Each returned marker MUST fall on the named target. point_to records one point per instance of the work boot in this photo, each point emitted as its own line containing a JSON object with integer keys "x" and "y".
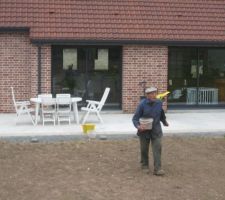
{"x": 159, "y": 172}
{"x": 145, "y": 169}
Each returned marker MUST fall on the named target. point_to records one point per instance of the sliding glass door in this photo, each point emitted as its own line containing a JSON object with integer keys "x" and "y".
{"x": 87, "y": 71}
{"x": 196, "y": 76}
{"x": 212, "y": 76}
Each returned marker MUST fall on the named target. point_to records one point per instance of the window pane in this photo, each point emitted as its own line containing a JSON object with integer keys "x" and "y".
{"x": 102, "y": 61}
{"x": 70, "y": 59}
{"x": 212, "y": 78}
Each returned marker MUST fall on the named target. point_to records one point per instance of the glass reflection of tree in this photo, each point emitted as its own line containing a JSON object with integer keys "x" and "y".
{"x": 69, "y": 80}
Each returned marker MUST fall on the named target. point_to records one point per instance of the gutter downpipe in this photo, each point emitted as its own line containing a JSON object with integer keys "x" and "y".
{"x": 39, "y": 69}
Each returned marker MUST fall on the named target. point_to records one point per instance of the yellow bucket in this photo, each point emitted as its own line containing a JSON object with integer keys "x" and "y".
{"x": 88, "y": 128}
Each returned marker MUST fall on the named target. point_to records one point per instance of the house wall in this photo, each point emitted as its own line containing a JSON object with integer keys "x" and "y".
{"x": 19, "y": 69}
{"x": 46, "y": 69}
{"x": 140, "y": 63}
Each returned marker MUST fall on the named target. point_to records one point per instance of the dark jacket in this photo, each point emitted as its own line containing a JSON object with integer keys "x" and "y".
{"x": 149, "y": 109}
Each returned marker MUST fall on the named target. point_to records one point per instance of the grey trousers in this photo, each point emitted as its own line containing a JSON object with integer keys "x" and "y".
{"x": 156, "y": 150}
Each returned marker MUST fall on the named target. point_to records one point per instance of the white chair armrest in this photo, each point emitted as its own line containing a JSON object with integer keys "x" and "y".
{"x": 23, "y": 103}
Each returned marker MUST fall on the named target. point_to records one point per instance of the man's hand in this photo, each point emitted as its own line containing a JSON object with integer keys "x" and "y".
{"x": 141, "y": 128}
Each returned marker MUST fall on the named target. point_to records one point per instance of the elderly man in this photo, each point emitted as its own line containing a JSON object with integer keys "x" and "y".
{"x": 150, "y": 108}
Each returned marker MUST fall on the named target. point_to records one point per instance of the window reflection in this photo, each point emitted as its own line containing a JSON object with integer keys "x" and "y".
{"x": 87, "y": 71}
{"x": 196, "y": 76}
{"x": 69, "y": 59}
{"x": 102, "y": 60}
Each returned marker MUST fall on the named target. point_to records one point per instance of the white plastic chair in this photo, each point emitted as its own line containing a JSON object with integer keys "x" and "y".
{"x": 63, "y": 106}
{"x": 41, "y": 96}
{"x": 22, "y": 107}
{"x": 48, "y": 109}
{"x": 95, "y": 106}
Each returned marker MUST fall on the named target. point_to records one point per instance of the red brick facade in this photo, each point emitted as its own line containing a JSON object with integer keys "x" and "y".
{"x": 46, "y": 69}
{"x": 19, "y": 69}
{"x": 140, "y": 63}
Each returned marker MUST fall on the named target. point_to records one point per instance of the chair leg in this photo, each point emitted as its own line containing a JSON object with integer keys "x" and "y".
{"x": 99, "y": 117}
{"x": 85, "y": 117}
{"x": 31, "y": 118}
{"x": 17, "y": 117}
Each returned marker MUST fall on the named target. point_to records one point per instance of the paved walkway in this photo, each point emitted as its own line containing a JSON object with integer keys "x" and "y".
{"x": 196, "y": 122}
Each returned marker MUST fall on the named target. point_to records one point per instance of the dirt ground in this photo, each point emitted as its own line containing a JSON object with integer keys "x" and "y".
{"x": 110, "y": 170}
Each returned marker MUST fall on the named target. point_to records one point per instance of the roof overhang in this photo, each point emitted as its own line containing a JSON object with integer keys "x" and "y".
{"x": 129, "y": 42}
{"x": 14, "y": 29}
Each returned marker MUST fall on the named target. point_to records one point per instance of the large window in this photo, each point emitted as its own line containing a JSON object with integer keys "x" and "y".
{"x": 87, "y": 71}
{"x": 196, "y": 76}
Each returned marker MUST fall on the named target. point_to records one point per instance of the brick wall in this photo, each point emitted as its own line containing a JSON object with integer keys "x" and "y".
{"x": 140, "y": 63}
{"x": 19, "y": 65}
{"x": 18, "y": 68}
{"x": 46, "y": 69}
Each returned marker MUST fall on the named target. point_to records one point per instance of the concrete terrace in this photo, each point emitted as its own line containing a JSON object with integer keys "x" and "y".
{"x": 182, "y": 122}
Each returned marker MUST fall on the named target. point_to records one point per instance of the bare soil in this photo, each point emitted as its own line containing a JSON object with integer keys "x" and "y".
{"x": 110, "y": 170}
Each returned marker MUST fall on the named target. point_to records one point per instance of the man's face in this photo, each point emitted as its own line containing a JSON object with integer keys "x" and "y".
{"x": 151, "y": 95}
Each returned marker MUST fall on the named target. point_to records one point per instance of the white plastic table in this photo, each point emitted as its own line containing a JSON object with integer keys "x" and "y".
{"x": 37, "y": 102}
